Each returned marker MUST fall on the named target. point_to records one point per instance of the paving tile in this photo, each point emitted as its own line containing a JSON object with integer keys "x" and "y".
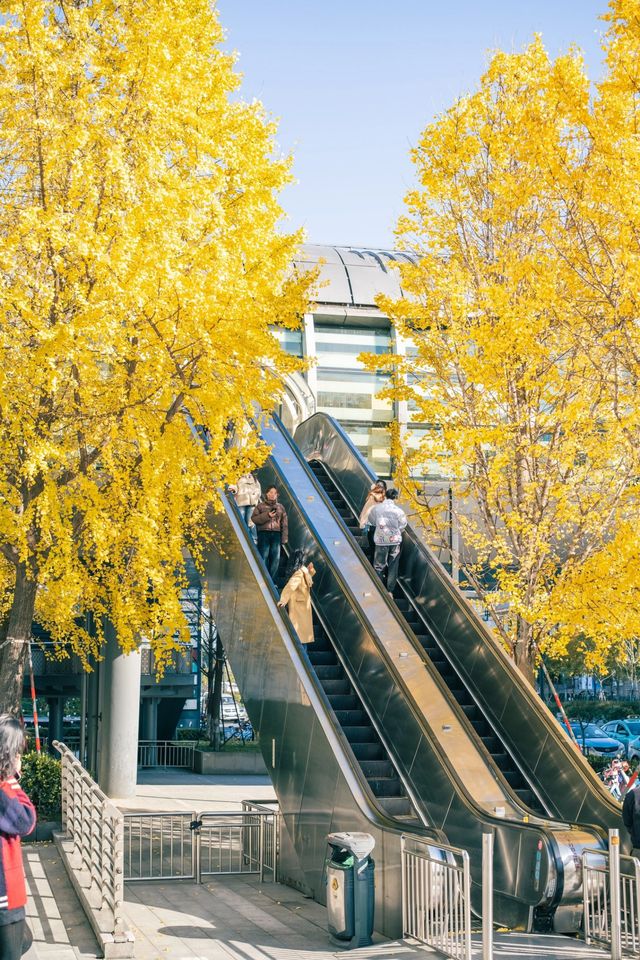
{"x": 59, "y": 927}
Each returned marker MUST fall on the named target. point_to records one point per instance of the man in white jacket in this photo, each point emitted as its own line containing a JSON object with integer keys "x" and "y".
{"x": 390, "y": 520}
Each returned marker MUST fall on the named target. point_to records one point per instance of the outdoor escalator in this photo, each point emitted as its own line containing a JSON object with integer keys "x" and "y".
{"x": 372, "y": 756}
{"x": 421, "y": 631}
{"x": 544, "y": 770}
{"x": 368, "y": 749}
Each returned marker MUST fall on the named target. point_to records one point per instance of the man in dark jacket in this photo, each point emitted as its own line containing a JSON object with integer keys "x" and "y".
{"x": 270, "y": 518}
{"x": 631, "y": 818}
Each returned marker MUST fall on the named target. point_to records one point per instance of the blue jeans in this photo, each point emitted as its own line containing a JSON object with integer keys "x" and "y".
{"x": 269, "y": 542}
{"x": 387, "y": 555}
{"x": 245, "y": 513}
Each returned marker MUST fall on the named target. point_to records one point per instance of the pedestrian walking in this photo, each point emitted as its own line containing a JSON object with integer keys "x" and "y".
{"x": 247, "y": 492}
{"x": 631, "y": 817}
{"x": 17, "y": 818}
{"x": 389, "y": 521}
{"x": 270, "y": 517}
{"x": 376, "y": 495}
{"x": 296, "y": 595}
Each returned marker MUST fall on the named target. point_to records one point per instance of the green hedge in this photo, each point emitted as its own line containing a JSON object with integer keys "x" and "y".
{"x": 599, "y": 711}
{"x": 40, "y": 780}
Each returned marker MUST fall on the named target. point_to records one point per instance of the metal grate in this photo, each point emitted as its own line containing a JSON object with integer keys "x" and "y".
{"x": 611, "y": 890}
{"x": 190, "y": 846}
{"x": 160, "y": 846}
{"x": 436, "y": 897}
{"x": 166, "y": 753}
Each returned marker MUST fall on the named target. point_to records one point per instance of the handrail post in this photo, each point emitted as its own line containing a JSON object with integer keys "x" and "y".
{"x": 487, "y": 896}
{"x": 261, "y": 844}
{"x": 614, "y": 894}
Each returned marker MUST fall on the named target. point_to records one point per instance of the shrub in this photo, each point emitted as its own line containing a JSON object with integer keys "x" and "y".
{"x": 189, "y": 733}
{"x": 599, "y": 711}
{"x": 40, "y": 780}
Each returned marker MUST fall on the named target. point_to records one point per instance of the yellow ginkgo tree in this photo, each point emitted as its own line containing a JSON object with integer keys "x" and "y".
{"x": 517, "y": 411}
{"x": 141, "y": 267}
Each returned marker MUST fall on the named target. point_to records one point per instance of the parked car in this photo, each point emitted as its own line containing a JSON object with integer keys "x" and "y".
{"x": 628, "y": 733}
{"x": 593, "y": 740}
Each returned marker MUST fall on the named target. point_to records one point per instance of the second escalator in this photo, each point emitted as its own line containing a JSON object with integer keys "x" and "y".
{"x": 429, "y": 644}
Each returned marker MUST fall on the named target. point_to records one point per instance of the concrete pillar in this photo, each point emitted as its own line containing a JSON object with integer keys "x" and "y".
{"x": 56, "y": 717}
{"x": 93, "y": 719}
{"x": 120, "y": 696}
{"x": 150, "y": 718}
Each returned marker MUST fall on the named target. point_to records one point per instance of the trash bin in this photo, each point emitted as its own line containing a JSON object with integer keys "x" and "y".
{"x": 350, "y": 888}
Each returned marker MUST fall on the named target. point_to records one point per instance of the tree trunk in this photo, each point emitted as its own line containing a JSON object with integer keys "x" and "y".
{"x": 13, "y": 652}
{"x": 523, "y": 651}
{"x": 215, "y": 694}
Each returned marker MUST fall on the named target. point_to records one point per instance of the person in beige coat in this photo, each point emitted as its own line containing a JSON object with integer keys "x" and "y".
{"x": 296, "y": 595}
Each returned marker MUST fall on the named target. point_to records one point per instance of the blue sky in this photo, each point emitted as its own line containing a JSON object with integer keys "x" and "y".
{"x": 353, "y": 83}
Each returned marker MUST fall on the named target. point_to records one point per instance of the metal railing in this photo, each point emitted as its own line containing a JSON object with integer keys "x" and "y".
{"x": 611, "y": 890}
{"x": 271, "y": 848}
{"x": 159, "y": 846}
{"x": 436, "y": 896}
{"x": 94, "y": 829}
{"x": 166, "y": 753}
{"x": 190, "y": 846}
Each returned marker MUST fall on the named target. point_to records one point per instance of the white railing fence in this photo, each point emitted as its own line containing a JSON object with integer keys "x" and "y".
{"x": 166, "y": 753}
{"x": 611, "y": 889}
{"x": 93, "y": 848}
{"x": 436, "y": 896}
{"x": 190, "y": 846}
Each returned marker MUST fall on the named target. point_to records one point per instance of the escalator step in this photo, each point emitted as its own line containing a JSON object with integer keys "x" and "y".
{"x": 351, "y": 718}
{"x": 364, "y": 734}
{"x": 501, "y": 760}
{"x": 462, "y": 697}
{"x": 330, "y": 671}
{"x": 527, "y": 797}
{"x": 472, "y": 712}
{"x": 513, "y": 777}
{"x": 481, "y": 726}
{"x": 368, "y": 750}
{"x": 491, "y": 743}
{"x": 343, "y": 701}
{"x": 386, "y": 787}
{"x": 323, "y": 657}
{"x": 336, "y": 686}
{"x": 377, "y": 768}
{"x": 397, "y": 806}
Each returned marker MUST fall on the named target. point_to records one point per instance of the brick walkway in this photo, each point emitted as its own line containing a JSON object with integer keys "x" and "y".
{"x": 58, "y": 924}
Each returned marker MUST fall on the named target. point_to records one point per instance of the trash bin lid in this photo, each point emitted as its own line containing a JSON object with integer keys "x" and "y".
{"x": 360, "y": 844}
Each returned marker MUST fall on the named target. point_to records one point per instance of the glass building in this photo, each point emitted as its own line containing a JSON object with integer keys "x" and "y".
{"x": 346, "y": 322}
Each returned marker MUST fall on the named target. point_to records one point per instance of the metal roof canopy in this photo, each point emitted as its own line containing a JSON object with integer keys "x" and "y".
{"x": 352, "y": 276}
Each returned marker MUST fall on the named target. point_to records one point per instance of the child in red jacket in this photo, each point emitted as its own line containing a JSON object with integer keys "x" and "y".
{"x": 17, "y": 818}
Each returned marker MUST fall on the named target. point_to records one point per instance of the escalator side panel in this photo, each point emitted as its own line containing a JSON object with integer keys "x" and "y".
{"x": 563, "y": 778}
{"x": 316, "y": 789}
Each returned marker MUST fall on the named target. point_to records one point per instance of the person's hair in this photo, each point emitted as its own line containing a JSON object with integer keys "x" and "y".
{"x": 392, "y": 494}
{"x": 378, "y": 488}
{"x": 271, "y": 486}
{"x": 382, "y": 483}
{"x": 12, "y": 744}
{"x": 296, "y": 560}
